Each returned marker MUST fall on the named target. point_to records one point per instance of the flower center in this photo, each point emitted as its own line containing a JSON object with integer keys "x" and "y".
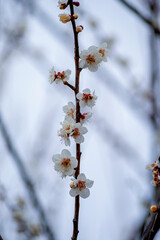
{"x": 81, "y": 185}
{"x": 102, "y": 51}
{"x": 71, "y": 113}
{"x": 90, "y": 59}
{"x": 83, "y": 116}
{"x": 76, "y": 133}
{"x": 66, "y": 162}
{"x": 60, "y": 75}
{"x": 67, "y": 128}
{"x": 87, "y": 97}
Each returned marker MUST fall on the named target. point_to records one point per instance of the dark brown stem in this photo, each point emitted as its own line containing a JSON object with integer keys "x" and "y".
{"x": 69, "y": 85}
{"x": 153, "y": 227}
{"x": 78, "y": 150}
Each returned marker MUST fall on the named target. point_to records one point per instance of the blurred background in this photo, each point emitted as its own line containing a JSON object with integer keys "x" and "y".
{"x": 123, "y": 134}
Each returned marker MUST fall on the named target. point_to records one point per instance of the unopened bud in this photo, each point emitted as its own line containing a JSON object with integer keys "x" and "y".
{"x": 72, "y": 185}
{"x": 75, "y": 16}
{"x": 79, "y": 28}
{"x": 76, "y": 4}
{"x": 63, "y": 6}
{"x": 153, "y": 208}
{"x": 64, "y": 18}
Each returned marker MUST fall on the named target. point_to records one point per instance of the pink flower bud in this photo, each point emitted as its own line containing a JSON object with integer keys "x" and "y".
{"x": 77, "y": 4}
{"x": 75, "y": 16}
{"x": 63, "y": 6}
{"x": 79, "y": 28}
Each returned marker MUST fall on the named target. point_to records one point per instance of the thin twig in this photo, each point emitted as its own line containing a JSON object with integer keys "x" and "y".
{"x": 141, "y": 16}
{"x": 26, "y": 180}
{"x": 69, "y": 85}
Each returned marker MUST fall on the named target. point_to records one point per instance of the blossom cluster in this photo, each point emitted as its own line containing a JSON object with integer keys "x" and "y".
{"x": 71, "y": 128}
{"x": 154, "y": 167}
{"x": 64, "y": 163}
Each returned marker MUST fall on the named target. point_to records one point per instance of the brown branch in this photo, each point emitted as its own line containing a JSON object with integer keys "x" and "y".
{"x": 153, "y": 227}
{"x": 141, "y": 16}
{"x": 26, "y": 180}
{"x": 78, "y": 150}
{"x": 69, "y": 85}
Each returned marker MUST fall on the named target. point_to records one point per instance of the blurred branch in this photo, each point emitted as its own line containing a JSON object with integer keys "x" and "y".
{"x": 141, "y": 16}
{"x": 138, "y": 232}
{"x": 153, "y": 227}
{"x": 123, "y": 93}
{"x": 26, "y": 179}
{"x": 1, "y": 238}
{"x": 154, "y": 221}
{"x": 118, "y": 142}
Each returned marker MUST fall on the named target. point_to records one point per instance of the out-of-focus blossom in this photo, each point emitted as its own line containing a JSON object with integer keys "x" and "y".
{"x": 156, "y": 173}
{"x": 65, "y": 164}
{"x": 152, "y": 166}
{"x": 80, "y": 186}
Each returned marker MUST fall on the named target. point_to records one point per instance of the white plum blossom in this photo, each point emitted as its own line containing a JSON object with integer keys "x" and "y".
{"x": 90, "y": 58}
{"x": 59, "y": 77}
{"x": 155, "y": 172}
{"x": 86, "y": 98}
{"x": 78, "y": 132}
{"x": 85, "y": 117}
{"x": 65, "y": 164}
{"x": 80, "y": 186}
{"x": 65, "y": 137}
{"x": 72, "y": 129}
{"x": 66, "y": 130}
{"x": 153, "y": 165}
{"x": 103, "y": 49}
{"x": 70, "y": 110}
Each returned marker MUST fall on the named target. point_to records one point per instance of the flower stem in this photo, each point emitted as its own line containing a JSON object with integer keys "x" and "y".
{"x": 78, "y": 150}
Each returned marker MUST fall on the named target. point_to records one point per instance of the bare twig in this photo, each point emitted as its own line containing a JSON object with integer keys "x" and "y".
{"x": 69, "y": 85}
{"x": 26, "y": 180}
{"x": 141, "y": 16}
